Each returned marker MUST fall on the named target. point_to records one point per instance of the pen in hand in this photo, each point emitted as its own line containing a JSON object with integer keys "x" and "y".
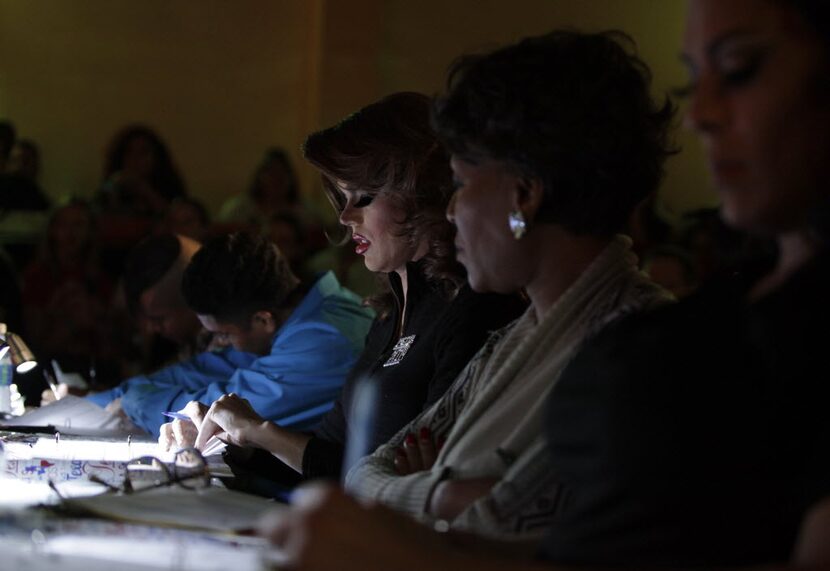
{"x": 52, "y": 384}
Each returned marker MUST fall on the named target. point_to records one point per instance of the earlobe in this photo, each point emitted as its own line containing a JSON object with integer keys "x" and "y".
{"x": 527, "y": 198}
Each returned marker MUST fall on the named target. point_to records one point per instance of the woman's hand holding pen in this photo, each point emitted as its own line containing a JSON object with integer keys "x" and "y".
{"x": 232, "y": 419}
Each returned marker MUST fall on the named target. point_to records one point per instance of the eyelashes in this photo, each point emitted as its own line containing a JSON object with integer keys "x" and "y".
{"x": 364, "y": 200}
{"x": 743, "y": 74}
{"x": 729, "y": 77}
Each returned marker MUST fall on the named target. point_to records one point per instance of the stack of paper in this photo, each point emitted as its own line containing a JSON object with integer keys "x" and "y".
{"x": 72, "y": 415}
{"x": 214, "y": 509}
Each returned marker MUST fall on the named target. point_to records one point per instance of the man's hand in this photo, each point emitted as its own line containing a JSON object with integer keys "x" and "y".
{"x": 183, "y": 433}
{"x": 50, "y": 395}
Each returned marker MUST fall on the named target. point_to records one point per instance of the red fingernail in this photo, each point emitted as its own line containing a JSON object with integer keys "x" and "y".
{"x": 425, "y": 435}
{"x": 410, "y": 439}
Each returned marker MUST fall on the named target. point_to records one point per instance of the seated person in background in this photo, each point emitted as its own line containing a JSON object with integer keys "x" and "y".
{"x": 390, "y": 182}
{"x": 305, "y": 337}
{"x": 153, "y": 290}
{"x": 19, "y": 189}
{"x": 8, "y": 135}
{"x": 25, "y": 160}
{"x": 188, "y": 217}
{"x": 274, "y": 190}
{"x": 287, "y": 231}
{"x": 152, "y": 287}
{"x": 554, "y": 141}
{"x": 66, "y": 298}
{"x": 140, "y": 177}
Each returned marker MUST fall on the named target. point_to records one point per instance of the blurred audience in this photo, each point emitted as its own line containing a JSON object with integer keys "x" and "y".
{"x": 140, "y": 177}
{"x": 66, "y": 297}
{"x": 187, "y": 216}
{"x": 273, "y": 192}
{"x": 152, "y": 287}
{"x": 25, "y": 160}
{"x": 8, "y": 135}
{"x": 19, "y": 190}
{"x": 140, "y": 180}
{"x": 274, "y": 189}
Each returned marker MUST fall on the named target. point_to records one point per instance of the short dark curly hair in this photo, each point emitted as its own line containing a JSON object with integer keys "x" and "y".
{"x": 233, "y": 276}
{"x": 570, "y": 108}
{"x": 390, "y": 147}
{"x": 165, "y": 177}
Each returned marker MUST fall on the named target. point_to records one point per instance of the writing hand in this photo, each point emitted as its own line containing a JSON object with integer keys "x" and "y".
{"x": 232, "y": 419}
{"x": 51, "y": 395}
{"x": 183, "y": 433}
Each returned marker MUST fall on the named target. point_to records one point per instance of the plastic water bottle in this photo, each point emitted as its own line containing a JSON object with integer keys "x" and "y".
{"x": 6, "y": 372}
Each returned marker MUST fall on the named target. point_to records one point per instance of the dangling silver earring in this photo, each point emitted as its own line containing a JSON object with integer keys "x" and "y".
{"x": 518, "y": 224}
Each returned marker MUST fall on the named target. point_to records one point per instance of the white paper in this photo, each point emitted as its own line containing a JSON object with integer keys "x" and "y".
{"x": 78, "y": 553}
{"x": 77, "y": 449}
{"x": 72, "y": 415}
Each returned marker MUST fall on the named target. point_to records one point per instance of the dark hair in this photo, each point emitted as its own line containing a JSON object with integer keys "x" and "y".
{"x": 276, "y": 155}
{"x": 201, "y": 211}
{"x": 8, "y": 134}
{"x": 147, "y": 263}
{"x": 90, "y": 246}
{"x": 816, "y": 13}
{"x": 164, "y": 178}
{"x": 234, "y": 276}
{"x": 570, "y": 108}
{"x": 291, "y": 221}
{"x": 390, "y": 147}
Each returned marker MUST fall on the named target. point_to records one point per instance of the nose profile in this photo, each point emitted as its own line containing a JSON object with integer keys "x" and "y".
{"x": 451, "y": 209}
{"x": 707, "y": 111}
{"x": 349, "y": 214}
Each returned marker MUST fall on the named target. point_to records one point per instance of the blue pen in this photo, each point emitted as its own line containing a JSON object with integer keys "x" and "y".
{"x": 176, "y": 415}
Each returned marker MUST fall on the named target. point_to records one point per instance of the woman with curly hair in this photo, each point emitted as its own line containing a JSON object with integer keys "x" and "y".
{"x": 139, "y": 175}
{"x": 389, "y": 179}
{"x": 554, "y": 141}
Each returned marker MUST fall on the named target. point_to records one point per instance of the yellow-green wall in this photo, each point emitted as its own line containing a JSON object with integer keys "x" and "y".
{"x": 221, "y": 80}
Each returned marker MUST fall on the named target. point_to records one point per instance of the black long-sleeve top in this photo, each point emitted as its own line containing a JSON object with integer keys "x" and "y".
{"x": 447, "y": 333}
{"x": 696, "y": 436}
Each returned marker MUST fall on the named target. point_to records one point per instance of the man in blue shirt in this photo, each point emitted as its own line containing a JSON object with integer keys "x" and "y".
{"x": 305, "y": 339}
